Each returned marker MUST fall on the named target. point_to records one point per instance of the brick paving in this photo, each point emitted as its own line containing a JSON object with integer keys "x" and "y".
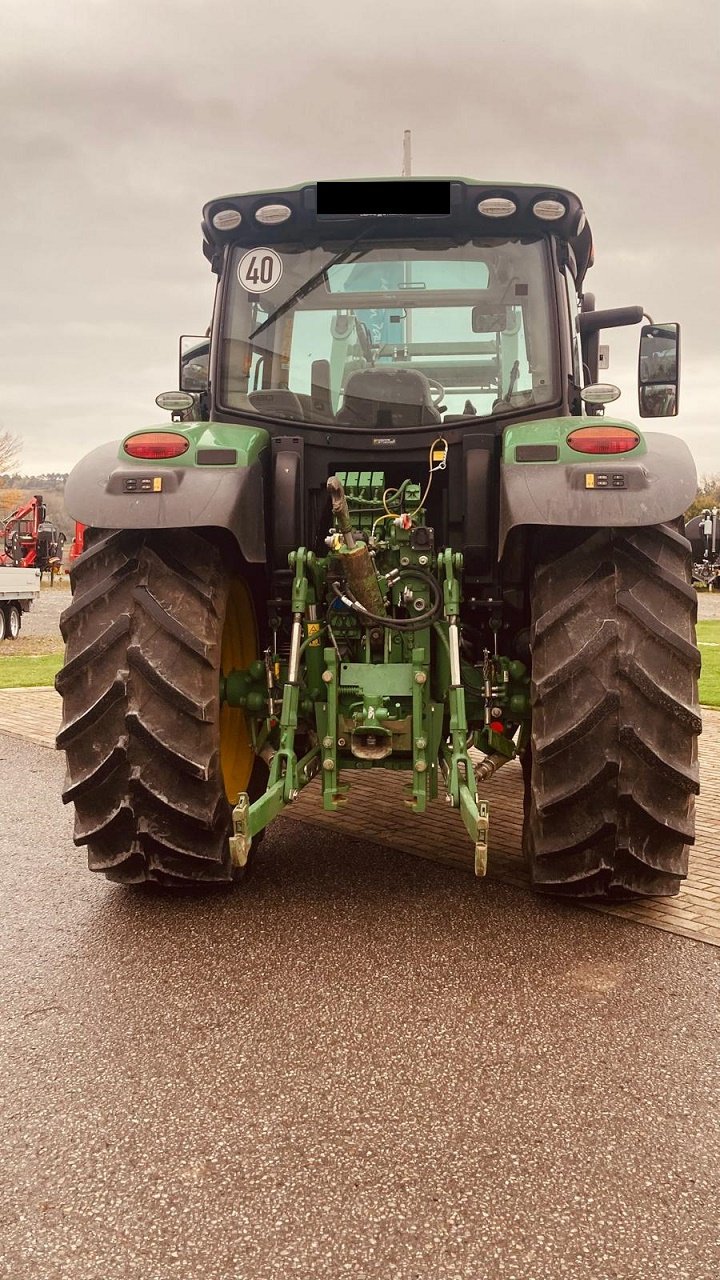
{"x": 30, "y": 713}
{"x": 375, "y": 812}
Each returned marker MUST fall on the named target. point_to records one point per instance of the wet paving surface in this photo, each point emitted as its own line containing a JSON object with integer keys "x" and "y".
{"x": 359, "y": 1064}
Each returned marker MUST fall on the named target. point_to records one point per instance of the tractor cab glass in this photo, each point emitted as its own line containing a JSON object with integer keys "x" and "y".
{"x": 389, "y": 335}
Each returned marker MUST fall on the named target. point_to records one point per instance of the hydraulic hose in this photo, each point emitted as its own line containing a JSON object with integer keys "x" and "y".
{"x": 397, "y": 624}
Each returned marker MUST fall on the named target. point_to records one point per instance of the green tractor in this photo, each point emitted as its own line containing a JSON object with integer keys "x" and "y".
{"x": 390, "y": 526}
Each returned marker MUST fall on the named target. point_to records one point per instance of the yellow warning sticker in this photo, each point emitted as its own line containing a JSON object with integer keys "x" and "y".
{"x": 589, "y": 480}
{"x": 313, "y": 630}
{"x": 157, "y": 484}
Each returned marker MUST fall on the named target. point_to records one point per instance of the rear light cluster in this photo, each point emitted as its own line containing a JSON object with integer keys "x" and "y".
{"x": 156, "y": 444}
{"x": 603, "y": 439}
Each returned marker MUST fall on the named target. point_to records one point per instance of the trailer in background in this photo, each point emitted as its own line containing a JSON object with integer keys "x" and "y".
{"x": 18, "y": 589}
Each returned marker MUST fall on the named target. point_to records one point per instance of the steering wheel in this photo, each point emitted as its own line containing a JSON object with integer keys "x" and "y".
{"x": 438, "y": 389}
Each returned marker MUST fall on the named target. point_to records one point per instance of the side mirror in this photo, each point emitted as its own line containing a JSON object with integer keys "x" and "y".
{"x": 194, "y": 363}
{"x": 659, "y": 370}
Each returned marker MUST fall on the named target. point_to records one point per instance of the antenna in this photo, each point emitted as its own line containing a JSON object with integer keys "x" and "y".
{"x": 407, "y": 155}
{"x": 406, "y": 171}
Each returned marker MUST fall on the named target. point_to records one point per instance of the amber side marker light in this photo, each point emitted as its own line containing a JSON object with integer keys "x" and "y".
{"x": 603, "y": 440}
{"x": 156, "y": 444}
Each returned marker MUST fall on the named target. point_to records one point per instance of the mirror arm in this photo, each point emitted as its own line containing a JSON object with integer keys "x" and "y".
{"x": 592, "y": 321}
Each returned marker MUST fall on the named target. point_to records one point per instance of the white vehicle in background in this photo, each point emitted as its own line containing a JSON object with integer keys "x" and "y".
{"x": 18, "y": 589}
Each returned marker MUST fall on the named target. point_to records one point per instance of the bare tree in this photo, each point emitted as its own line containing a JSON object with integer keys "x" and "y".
{"x": 10, "y": 447}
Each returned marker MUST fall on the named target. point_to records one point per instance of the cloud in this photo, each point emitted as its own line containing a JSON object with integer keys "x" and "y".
{"x": 120, "y": 121}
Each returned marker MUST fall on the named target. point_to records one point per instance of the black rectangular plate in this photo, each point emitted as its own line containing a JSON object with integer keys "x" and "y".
{"x": 536, "y": 453}
{"x": 357, "y": 199}
{"x": 216, "y": 457}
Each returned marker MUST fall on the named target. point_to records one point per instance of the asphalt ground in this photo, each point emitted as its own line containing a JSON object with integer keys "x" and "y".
{"x": 359, "y": 1064}
{"x": 43, "y": 617}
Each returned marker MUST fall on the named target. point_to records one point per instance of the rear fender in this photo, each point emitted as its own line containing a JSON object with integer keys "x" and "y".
{"x": 217, "y": 483}
{"x": 543, "y": 482}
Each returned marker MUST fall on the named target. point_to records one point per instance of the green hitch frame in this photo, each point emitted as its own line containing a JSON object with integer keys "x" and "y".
{"x": 287, "y": 774}
{"x": 437, "y": 712}
{"x": 459, "y": 773}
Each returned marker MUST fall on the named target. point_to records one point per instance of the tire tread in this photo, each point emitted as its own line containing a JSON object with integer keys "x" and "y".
{"x": 141, "y": 703}
{"x": 614, "y": 773}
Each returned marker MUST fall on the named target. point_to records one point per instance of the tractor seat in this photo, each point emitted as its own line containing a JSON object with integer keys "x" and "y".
{"x": 387, "y": 398}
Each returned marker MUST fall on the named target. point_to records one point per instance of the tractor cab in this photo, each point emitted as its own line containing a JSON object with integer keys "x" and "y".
{"x": 450, "y": 306}
{"x": 402, "y": 304}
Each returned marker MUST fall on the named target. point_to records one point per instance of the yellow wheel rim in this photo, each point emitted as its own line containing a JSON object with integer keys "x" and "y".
{"x": 238, "y": 648}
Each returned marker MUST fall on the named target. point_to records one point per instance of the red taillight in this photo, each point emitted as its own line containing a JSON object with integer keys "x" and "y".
{"x": 603, "y": 439}
{"x": 156, "y": 444}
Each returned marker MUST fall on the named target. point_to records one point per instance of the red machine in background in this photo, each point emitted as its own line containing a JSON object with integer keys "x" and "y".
{"x": 77, "y": 545}
{"x": 30, "y": 540}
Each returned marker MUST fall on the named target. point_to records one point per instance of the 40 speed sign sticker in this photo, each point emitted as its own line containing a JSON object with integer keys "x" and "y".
{"x": 259, "y": 270}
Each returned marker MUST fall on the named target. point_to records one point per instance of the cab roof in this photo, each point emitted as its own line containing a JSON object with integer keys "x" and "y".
{"x": 410, "y": 208}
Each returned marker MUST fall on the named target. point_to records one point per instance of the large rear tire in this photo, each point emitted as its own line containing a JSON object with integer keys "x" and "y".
{"x": 154, "y": 764}
{"x": 612, "y": 770}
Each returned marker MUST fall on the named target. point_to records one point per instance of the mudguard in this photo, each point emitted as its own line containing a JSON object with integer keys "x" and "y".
{"x": 217, "y": 483}
{"x": 543, "y": 482}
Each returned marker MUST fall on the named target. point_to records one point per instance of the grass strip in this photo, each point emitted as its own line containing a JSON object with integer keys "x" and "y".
{"x": 28, "y": 673}
{"x": 709, "y": 642}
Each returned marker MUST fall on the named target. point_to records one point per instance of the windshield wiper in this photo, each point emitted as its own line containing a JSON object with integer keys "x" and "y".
{"x": 313, "y": 282}
{"x": 514, "y": 375}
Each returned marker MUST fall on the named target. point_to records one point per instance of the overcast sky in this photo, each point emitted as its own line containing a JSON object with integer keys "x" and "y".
{"x": 120, "y": 118}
